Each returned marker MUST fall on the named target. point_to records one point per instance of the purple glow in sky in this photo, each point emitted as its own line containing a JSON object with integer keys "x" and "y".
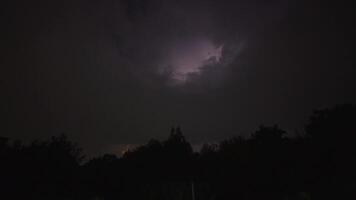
{"x": 189, "y": 57}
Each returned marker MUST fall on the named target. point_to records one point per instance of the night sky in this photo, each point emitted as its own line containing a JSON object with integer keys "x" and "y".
{"x": 118, "y": 72}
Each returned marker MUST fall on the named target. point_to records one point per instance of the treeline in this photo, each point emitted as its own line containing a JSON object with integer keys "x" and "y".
{"x": 320, "y": 164}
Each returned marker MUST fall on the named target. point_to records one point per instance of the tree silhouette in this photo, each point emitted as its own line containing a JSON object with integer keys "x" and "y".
{"x": 332, "y": 134}
{"x": 267, "y": 165}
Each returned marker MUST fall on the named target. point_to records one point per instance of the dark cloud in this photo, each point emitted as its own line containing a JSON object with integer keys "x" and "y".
{"x": 91, "y": 69}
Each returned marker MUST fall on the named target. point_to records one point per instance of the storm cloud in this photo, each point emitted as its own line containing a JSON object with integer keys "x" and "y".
{"x": 101, "y": 71}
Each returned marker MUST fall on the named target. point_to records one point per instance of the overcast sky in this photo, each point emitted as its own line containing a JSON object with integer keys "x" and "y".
{"x": 117, "y": 72}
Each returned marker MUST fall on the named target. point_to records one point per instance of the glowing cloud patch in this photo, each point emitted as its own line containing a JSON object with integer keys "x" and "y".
{"x": 188, "y": 58}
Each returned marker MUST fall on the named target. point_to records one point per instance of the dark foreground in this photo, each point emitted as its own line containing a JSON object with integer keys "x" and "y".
{"x": 319, "y": 164}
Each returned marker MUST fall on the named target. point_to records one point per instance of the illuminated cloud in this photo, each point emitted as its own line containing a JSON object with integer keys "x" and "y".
{"x": 189, "y": 57}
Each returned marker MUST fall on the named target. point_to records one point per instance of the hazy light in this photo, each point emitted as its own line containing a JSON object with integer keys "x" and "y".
{"x": 188, "y": 58}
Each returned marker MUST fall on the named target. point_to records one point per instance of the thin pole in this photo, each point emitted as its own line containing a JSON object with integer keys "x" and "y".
{"x": 193, "y": 191}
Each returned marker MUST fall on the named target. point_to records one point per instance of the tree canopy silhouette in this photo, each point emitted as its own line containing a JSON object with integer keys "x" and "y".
{"x": 269, "y": 164}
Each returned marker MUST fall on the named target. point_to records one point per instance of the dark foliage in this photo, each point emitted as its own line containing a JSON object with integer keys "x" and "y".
{"x": 268, "y": 165}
